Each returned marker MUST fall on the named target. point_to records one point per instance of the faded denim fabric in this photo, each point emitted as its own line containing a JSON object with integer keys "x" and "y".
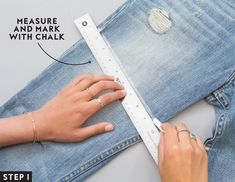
{"x": 172, "y": 65}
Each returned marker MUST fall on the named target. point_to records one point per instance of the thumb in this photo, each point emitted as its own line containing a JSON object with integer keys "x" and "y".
{"x": 95, "y": 129}
{"x": 161, "y": 148}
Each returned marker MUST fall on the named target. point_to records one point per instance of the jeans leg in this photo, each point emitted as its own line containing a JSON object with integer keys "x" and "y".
{"x": 169, "y": 70}
{"x": 221, "y": 145}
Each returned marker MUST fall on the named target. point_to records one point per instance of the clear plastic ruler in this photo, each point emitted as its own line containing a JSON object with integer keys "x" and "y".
{"x": 145, "y": 125}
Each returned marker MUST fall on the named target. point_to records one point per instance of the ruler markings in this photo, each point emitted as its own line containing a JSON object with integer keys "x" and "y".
{"x": 131, "y": 103}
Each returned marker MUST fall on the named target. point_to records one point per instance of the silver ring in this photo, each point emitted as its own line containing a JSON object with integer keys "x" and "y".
{"x": 100, "y": 102}
{"x": 193, "y": 136}
{"x": 183, "y": 130}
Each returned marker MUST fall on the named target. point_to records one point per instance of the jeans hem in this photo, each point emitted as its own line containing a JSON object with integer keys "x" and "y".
{"x": 100, "y": 158}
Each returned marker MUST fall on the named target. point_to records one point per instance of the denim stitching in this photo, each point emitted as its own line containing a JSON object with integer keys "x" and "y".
{"x": 221, "y": 99}
{"x": 219, "y": 130}
{"x": 101, "y": 157}
{"x": 220, "y": 124}
{"x": 231, "y": 80}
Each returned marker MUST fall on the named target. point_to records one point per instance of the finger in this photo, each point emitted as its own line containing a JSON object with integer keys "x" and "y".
{"x": 86, "y": 83}
{"x": 194, "y": 143}
{"x": 70, "y": 87}
{"x": 200, "y": 142}
{"x": 96, "y": 88}
{"x": 161, "y": 148}
{"x": 95, "y": 129}
{"x": 105, "y": 99}
{"x": 184, "y": 136}
{"x": 170, "y": 135}
{"x": 79, "y": 78}
{"x": 104, "y": 85}
{"x": 82, "y": 96}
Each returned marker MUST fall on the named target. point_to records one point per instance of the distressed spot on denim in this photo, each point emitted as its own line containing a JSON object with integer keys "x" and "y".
{"x": 159, "y": 20}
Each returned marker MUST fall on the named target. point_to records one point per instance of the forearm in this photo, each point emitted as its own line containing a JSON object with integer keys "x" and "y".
{"x": 16, "y": 129}
{"x": 61, "y": 119}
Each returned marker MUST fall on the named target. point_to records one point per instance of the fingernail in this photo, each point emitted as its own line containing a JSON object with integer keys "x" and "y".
{"x": 123, "y": 92}
{"x": 109, "y": 127}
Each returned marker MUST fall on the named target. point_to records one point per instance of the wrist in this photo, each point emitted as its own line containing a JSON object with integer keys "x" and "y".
{"x": 16, "y": 129}
{"x": 42, "y": 128}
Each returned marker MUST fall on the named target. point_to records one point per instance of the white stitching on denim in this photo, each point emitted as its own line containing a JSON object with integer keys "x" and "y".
{"x": 220, "y": 124}
{"x": 103, "y": 156}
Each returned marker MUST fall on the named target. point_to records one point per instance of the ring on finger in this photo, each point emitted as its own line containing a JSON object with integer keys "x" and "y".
{"x": 183, "y": 130}
{"x": 193, "y": 136}
{"x": 100, "y": 102}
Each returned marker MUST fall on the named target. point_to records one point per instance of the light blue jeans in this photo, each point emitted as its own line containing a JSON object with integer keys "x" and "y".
{"x": 192, "y": 59}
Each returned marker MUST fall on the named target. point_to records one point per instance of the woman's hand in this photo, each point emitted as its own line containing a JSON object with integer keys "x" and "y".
{"x": 61, "y": 119}
{"x": 181, "y": 159}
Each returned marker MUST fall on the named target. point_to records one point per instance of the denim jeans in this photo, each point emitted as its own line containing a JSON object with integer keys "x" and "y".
{"x": 190, "y": 57}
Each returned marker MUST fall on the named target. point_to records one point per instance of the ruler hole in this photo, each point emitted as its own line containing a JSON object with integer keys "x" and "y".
{"x": 84, "y": 23}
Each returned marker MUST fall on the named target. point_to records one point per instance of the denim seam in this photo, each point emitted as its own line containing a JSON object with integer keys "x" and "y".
{"x": 209, "y": 98}
{"x": 221, "y": 98}
{"x": 101, "y": 157}
{"x": 219, "y": 130}
{"x": 230, "y": 80}
{"x": 220, "y": 124}
{"x": 221, "y": 89}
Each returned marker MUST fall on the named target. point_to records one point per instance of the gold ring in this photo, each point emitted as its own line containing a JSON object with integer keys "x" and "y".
{"x": 100, "y": 102}
{"x": 183, "y": 130}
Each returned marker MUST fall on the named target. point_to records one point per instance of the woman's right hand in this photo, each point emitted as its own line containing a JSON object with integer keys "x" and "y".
{"x": 61, "y": 119}
{"x": 181, "y": 158}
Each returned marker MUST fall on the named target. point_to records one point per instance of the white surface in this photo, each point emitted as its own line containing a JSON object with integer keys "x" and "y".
{"x": 23, "y": 60}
